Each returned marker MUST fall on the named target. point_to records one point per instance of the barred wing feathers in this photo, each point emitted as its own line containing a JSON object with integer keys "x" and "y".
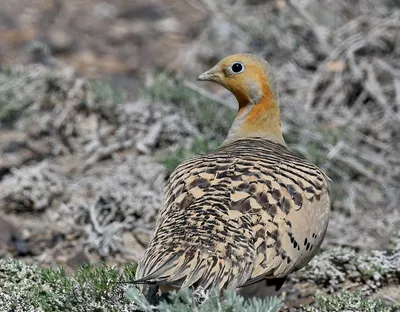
{"x": 250, "y": 210}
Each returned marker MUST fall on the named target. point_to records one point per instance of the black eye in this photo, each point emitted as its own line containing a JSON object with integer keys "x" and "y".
{"x": 237, "y": 67}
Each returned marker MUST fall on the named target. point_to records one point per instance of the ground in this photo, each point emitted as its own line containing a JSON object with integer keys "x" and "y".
{"x": 99, "y": 104}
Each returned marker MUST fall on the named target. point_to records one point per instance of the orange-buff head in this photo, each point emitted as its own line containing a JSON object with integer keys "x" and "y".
{"x": 251, "y": 81}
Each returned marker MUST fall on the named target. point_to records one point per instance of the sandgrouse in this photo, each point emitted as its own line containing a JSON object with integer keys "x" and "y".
{"x": 249, "y": 212}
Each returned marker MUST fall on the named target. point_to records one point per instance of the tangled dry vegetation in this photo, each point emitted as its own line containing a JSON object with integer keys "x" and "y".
{"x": 343, "y": 266}
{"x": 82, "y": 169}
{"x": 69, "y": 125}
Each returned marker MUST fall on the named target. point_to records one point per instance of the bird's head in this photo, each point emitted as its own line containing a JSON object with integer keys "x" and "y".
{"x": 247, "y": 76}
{"x": 251, "y": 81}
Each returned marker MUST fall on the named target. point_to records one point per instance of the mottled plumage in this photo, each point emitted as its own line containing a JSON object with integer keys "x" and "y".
{"x": 249, "y": 211}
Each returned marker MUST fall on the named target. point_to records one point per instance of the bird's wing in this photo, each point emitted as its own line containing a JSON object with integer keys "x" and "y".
{"x": 199, "y": 239}
{"x": 294, "y": 218}
{"x": 236, "y": 216}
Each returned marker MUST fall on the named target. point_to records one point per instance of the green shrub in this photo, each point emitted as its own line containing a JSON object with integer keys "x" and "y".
{"x": 103, "y": 288}
{"x": 345, "y": 301}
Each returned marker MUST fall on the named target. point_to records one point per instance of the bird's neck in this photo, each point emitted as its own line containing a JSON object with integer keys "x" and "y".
{"x": 257, "y": 118}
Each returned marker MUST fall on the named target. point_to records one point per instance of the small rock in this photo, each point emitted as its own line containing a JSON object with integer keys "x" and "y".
{"x": 7, "y": 231}
{"x": 169, "y": 24}
{"x": 60, "y": 41}
{"x": 106, "y": 10}
{"x": 20, "y": 245}
{"x": 80, "y": 258}
{"x": 135, "y": 31}
{"x": 55, "y": 239}
{"x": 143, "y": 238}
{"x": 132, "y": 244}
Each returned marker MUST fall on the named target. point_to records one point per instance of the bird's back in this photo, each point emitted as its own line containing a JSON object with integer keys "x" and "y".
{"x": 248, "y": 211}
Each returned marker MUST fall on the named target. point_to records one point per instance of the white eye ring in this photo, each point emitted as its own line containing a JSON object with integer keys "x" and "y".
{"x": 236, "y": 68}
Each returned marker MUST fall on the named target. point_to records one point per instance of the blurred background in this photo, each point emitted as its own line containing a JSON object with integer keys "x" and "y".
{"x": 98, "y": 104}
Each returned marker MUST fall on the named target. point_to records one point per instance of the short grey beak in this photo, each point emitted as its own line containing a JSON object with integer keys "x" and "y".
{"x": 209, "y": 75}
{"x": 204, "y": 76}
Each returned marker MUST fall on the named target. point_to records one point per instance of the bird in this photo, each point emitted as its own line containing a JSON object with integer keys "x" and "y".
{"x": 249, "y": 212}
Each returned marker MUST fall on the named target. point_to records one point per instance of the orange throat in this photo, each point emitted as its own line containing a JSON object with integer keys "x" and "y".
{"x": 261, "y": 119}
